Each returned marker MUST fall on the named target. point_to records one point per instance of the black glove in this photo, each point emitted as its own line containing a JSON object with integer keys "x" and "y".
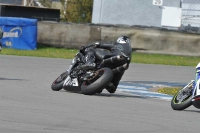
{"x": 82, "y": 49}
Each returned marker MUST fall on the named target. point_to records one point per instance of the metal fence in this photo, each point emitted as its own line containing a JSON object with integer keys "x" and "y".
{"x": 13, "y": 2}
{"x": 190, "y": 15}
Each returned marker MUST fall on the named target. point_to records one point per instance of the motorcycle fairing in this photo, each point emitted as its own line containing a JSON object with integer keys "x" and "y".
{"x": 196, "y": 95}
{"x": 196, "y": 90}
{"x": 71, "y": 84}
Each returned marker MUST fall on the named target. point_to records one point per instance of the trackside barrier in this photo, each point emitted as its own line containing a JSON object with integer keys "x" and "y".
{"x": 19, "y": 33}
{"x": 143, "y": 39}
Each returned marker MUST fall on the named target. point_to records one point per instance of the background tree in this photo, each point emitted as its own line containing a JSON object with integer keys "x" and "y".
{"x": 46, "y": 3}
{"x": 79, "y": 11}
{"x": 76, "y": 11}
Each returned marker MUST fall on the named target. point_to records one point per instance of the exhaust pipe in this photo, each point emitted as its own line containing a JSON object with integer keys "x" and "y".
{"x": 120, "y": 69}
{"x": 113, "y": 59}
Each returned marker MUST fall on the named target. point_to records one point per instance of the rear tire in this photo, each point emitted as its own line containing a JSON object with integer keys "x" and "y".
{"x": 178, "y": 101}
{"x": 103, "y": 77}
{"x": 58, "y": 83}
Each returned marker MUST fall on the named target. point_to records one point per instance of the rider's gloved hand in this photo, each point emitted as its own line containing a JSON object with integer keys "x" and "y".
{"x": 82, "y": 49}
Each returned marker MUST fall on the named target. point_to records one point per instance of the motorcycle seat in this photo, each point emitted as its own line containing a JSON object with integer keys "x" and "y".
{"x": 101, "y": 54}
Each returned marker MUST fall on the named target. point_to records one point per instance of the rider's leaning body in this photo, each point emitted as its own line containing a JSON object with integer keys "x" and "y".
{"x": 120, "y": 47}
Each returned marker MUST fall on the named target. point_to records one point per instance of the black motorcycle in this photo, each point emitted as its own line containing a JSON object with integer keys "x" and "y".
{"x": 93, "y": 78}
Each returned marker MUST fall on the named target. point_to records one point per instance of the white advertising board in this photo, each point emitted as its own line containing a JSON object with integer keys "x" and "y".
{"x": 171, "y": 16}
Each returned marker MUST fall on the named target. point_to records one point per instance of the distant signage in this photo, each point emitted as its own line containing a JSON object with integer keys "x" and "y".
{"x": 19, "y": 33}
{"x": 158, "y": 2}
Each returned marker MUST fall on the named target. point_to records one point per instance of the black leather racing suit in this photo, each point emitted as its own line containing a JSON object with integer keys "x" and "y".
{"x": 114, "y": 49}
{"x": 117, "y": 49}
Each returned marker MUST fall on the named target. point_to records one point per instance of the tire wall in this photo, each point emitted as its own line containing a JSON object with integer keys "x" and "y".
{"x": 143, "y": 39}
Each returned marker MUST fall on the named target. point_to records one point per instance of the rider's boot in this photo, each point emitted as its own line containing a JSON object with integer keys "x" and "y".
{"x": 111, "y": 88}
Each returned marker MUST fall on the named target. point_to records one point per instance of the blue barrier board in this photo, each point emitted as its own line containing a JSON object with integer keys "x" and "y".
{"x": 19, "y": 33}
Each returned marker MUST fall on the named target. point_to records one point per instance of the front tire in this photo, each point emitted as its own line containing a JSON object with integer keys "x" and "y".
{"x": 58, "y": 83}
{"x": 100, "y": 81}
{"x": 183, "y": 98}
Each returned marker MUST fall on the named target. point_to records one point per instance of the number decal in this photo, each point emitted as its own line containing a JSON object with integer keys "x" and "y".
{"x": 71, "y": 82}
{"x": 158, "y": 2}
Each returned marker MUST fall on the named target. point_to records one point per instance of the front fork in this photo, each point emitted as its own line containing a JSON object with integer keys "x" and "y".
{"x": 71, "y": 66}
{"x": 76, "y": 59}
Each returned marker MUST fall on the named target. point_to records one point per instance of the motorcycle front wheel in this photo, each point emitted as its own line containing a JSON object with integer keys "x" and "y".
{"x": 97, "y": 83}
{"x": 58, "y": 83}
{"x": 183, "y": 98}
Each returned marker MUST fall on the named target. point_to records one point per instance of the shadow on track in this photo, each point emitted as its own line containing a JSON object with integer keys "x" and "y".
{"x": 116, "y": 95}
{"x": 10, "y": 79}
{"x": 195, "y": 111}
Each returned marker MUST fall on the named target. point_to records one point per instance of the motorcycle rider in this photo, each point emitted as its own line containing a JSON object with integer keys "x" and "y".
{"x": 121, "y": 47}
{"x": 1, "y": 35}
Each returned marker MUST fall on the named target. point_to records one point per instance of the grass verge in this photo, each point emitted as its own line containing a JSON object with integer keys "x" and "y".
{"x": 51, "y": 52}
{"x": 42, "y": 51}
{"x": 165, "y": 59}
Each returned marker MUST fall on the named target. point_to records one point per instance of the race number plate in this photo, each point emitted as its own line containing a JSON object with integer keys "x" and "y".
{"x": 71, "y": 82}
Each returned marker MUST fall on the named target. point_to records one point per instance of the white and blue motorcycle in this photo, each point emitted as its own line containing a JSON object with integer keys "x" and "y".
{"x": 188, "y": 95}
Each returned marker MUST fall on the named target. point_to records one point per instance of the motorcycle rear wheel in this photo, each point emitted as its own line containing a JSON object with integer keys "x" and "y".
{"x": 101, "y": 79}
{"x": 183, "y": 98}
{"x": 58, "y": 83}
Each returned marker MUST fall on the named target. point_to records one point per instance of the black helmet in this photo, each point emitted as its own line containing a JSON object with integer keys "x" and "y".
{"x": 123, "y": 39}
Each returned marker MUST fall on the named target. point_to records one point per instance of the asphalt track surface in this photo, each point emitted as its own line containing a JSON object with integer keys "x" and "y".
{"x": 28, "y": 105}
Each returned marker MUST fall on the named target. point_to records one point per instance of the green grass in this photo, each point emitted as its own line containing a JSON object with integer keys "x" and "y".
{"x": 42, "y": 51}
{"x": 51, "y": 52}
{"x": 165, "y": 59}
